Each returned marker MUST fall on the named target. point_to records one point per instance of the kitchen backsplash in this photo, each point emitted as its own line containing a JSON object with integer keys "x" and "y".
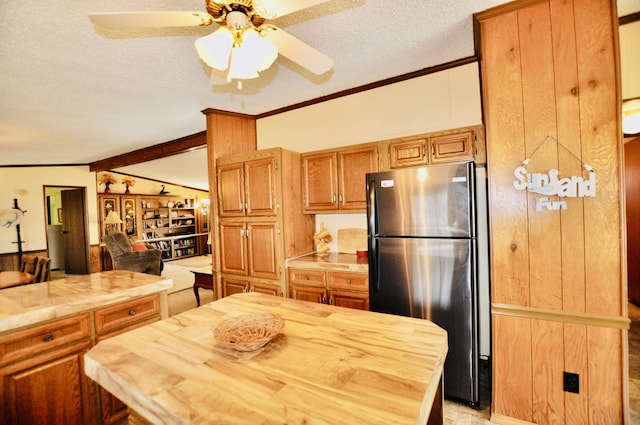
{"x": 334, "y": 222}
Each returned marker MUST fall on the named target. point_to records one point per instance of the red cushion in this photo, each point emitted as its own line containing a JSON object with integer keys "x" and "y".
{"x": 139, "y": 247}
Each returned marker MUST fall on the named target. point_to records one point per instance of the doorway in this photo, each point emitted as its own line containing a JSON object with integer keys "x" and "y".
{"x": 67, "y": 231}
{"x": 632, "y": 190}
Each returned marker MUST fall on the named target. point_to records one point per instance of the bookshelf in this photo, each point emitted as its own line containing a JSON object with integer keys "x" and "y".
{"x": 171, "y": 224}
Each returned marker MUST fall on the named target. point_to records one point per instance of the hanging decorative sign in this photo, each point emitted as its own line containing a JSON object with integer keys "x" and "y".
{"x": 550, "y": 184}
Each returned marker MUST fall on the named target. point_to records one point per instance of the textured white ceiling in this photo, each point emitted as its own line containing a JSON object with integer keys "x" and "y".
{"x": 72, "y": 93}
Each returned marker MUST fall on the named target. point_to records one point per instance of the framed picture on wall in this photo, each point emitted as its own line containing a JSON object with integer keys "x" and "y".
{"x": 108, "y": 205}
{"x": 129, "y": 215}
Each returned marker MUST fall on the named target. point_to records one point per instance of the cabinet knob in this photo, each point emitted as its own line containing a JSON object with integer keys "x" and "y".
{"x": 132, "y": 312}
{"x": 348, "y": 281}
{"x": 47, "y": 338}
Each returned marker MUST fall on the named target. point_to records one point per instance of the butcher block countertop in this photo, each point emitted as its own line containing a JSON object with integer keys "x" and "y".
{"x": 328, "y": 366}
{"x": 26, "y": 305}
{"x": 331, "y": 261}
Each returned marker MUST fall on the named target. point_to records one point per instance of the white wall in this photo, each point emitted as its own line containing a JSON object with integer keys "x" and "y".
{"x": 630, "y": 59}
{"x": 439, "y": 101}
{"x": 26, "y": 184}
{"x": 147, "y": 187}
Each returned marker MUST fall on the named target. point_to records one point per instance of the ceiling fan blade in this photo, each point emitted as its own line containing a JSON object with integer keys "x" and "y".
{"x": 151, "y": 19}
{"x": 278, "y": 8}
{"x": 299, "y": 51}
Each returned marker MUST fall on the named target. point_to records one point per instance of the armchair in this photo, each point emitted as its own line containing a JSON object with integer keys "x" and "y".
{"x": 125, "y": 258}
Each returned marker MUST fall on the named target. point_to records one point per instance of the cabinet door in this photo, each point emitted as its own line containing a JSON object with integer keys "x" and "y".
{"x": 263, "y": 250}
{"x": 231, "y": 190}
{"x": 354, "y": 165}
{"x": 233, "y": 248}
{"x": 312, "y": 294}
{"x": 48, "y": 389}
{"x": 265, "y": 288}
{"x": 260, "y": 187}
{"x": 232, "y": 286}
{"x": 408, "y": 153}
{"x": 357, "y": 300}
{"x": 320, "y": 185}
{"x": 452, "y": 147}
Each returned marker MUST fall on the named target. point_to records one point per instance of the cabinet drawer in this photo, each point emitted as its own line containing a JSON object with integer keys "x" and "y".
{"x": 110, "y": 318}
{"x": 353, "y": 281}
{"x": 307, "y": 277}
{"x": 35, "y": 340}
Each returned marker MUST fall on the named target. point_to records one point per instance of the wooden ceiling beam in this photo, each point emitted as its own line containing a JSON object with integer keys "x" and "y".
{"x": 162, "y": 150}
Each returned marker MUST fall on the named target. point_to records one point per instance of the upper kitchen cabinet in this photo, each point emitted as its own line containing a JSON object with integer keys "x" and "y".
{"x": 247, "y": 188}
{"x": 408, "y": 153}
{"x": 460, "y": 144}
{"x": 334, "y": 181}
{"x": 452, "y": 147}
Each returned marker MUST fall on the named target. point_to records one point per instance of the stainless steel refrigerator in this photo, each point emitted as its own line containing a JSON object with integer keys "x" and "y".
{"x": 422, "y": 258}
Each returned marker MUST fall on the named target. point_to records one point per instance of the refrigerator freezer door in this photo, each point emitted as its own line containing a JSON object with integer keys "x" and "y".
{"x": 432, "y": 201}
{"x": 432, "y": 279}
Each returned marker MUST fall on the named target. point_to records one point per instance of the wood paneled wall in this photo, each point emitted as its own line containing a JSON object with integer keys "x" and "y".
{"x": 551, "y": 94}
{"x": 227, "y": 134}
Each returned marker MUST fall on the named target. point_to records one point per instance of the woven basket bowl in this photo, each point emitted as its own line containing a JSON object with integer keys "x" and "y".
{"x": 249, "y": 331}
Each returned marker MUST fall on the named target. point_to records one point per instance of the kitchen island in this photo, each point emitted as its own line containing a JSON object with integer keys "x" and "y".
{"x": 329, "y": 365}
{"x": 46, "y": 328}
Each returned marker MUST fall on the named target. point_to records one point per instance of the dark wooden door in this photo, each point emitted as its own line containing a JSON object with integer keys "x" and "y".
{"x": 74, "y": 232}
{"x": 632, "y": 189}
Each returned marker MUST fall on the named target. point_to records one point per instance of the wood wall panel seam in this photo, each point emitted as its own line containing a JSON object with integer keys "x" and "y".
{"x": 588, "y": 319}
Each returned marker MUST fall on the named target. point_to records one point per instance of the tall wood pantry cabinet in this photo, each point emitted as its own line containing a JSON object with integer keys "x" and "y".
{"x": 261, "y": 223}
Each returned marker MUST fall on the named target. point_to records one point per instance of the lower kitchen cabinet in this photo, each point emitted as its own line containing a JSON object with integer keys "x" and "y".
{"x": 42, "y": 377}
{"x": 343, "y": 289}
{"x": 238, "y": 286}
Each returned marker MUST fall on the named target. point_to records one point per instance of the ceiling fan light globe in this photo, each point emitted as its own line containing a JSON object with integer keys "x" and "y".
{"x": 262, "y": 51}
{"x": 214, "y": 49}
{"x": 242, "y": 64}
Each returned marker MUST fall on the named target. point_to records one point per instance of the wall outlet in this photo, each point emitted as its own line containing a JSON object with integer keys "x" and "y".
{"x": 571, "y": 382}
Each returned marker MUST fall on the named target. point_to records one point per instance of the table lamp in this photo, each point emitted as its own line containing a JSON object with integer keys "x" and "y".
{"x": 111, "y": 222}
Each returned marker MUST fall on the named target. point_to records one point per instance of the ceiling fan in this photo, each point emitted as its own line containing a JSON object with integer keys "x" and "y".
{"x": 243, "y": 45}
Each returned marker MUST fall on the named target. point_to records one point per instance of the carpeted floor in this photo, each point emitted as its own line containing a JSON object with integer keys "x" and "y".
{"x": 181, "y": 296}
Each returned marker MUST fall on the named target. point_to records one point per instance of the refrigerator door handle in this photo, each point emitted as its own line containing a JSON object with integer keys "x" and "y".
{"x": 374, "y": 264}
{"x": 374, "y": 254}
{"x": 372, "y": 207}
